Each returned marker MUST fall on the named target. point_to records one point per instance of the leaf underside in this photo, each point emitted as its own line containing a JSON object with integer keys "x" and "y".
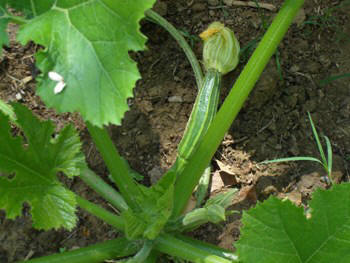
{"x": 87, "y": 42}
{"x": 28, "y": 169}
{"x": 278, "y": 231}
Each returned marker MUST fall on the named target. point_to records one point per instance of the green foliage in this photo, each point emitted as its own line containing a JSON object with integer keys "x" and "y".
{"x": 86, "y": 42}
{"x": 156, "y": 206}
{"x": 31, "y": 165}
{"x": 4, "y": 40}
{"x": 86, "y": 45}
{"x": 7, "y": 110}
{"x": 278, "y": 231}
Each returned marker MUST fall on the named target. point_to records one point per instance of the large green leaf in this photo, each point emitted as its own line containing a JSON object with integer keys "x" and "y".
{"x": 277, "y": 231}
{"x": 31, "y": 166}
{"x": 28, "y": 8}
{"x": 87, "y": 43}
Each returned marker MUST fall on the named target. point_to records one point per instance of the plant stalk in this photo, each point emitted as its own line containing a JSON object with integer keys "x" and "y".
{"x": 156, "y": 18}
{"x": 175, "y": 247}
{"x": 189, "y": 178}
{"x": 112, "y": 249}
{"x": 98, "y": 211}
{"x": 103, "y": 189}
{"x": 116, "y": 165}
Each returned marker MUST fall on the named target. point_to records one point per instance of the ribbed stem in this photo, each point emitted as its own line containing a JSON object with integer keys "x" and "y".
{"x": 189, "y": 178}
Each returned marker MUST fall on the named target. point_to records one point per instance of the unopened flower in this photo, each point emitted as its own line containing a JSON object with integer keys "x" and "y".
{"x": 221, "y": 48}
{"x": 60, "y": 81}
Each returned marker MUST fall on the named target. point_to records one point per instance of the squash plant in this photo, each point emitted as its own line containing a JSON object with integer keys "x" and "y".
{"x": 85, "y": 67}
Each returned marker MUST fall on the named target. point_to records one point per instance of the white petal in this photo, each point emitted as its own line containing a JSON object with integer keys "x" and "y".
{"x": 59, "y": 87}
{"x": 55, "y": 76}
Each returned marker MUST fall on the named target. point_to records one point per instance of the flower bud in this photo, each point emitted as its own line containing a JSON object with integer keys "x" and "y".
{"x": 221, "y": 48}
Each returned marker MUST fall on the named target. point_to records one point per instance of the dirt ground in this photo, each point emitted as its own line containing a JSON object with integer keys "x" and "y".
{"x": 272, "y": 124}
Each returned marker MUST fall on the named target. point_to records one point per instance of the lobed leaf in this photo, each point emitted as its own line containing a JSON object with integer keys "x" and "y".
{"x": 87, "y": 42}
{"x": 30, "y": 165}
{"x": 278, "y": 231}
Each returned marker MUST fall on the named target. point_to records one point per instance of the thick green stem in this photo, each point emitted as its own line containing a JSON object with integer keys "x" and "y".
{"x": 116, "y": 165}
{"x": 209, "y": 247}
{"x": 189, "y": 178}
{"x": 108, "y": 217}
{"x": 98, "y": 253}
{"x": 181, "y": 41}
{"x": 175, "y": 247}
{"x": 104, "y": 189}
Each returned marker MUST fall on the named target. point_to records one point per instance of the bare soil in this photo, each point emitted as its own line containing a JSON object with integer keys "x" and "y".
{"x": 272, "y": 124}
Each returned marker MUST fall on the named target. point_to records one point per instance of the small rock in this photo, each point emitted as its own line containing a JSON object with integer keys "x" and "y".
{"x": 310, "y": 106}
{"x": 175, "y": 99}
{"x": 142, "y": 141}
{"x": 197, "y": 7}
{"x": 294, "y": 68}
{"x": 18, "y": 96}
{"x": 300, "y": 18}
{"x": 228, "y": 2}
{"x": 325, "y": 61}
{"x": 161, "y": 8}
{"x": 213, "y": 2}
{"x": 27, "y": 79}
{"x": 313, "y": 67}
{"x": 155, "y": 174}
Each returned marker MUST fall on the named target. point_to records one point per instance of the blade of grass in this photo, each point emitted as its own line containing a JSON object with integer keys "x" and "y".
{"x": 329, "y": 158}
{"x": 318, "y": 142}
{"x": 188, "y": 179}
{"x": 328, "y": 80}
{"x": 293, "y": 159}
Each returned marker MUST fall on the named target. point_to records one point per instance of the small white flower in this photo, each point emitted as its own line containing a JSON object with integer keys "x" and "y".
{"x": 59, "y": 79}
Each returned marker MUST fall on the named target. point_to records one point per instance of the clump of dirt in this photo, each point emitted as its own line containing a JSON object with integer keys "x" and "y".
{"x": 272, "y": 124}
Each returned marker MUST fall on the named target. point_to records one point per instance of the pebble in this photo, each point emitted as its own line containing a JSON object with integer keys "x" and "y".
{"x": 161, "y": 8}
{"x": 300, "y": 18}
{"x": 294, "y": 68}
{"x": 213, "y": 2}
{"x": 199, "y": 7}
{"x": 175, "y": 99}
{"x": 18, "y": 96}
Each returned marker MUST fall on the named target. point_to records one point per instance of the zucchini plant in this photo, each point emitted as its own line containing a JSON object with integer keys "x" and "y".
{"x": 85, "y": 67}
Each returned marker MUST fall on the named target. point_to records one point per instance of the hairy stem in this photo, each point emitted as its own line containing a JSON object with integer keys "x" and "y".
{"x": 156, "y": 18}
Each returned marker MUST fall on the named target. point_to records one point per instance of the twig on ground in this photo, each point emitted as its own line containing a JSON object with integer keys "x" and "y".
{"x": 270, "y": 7}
